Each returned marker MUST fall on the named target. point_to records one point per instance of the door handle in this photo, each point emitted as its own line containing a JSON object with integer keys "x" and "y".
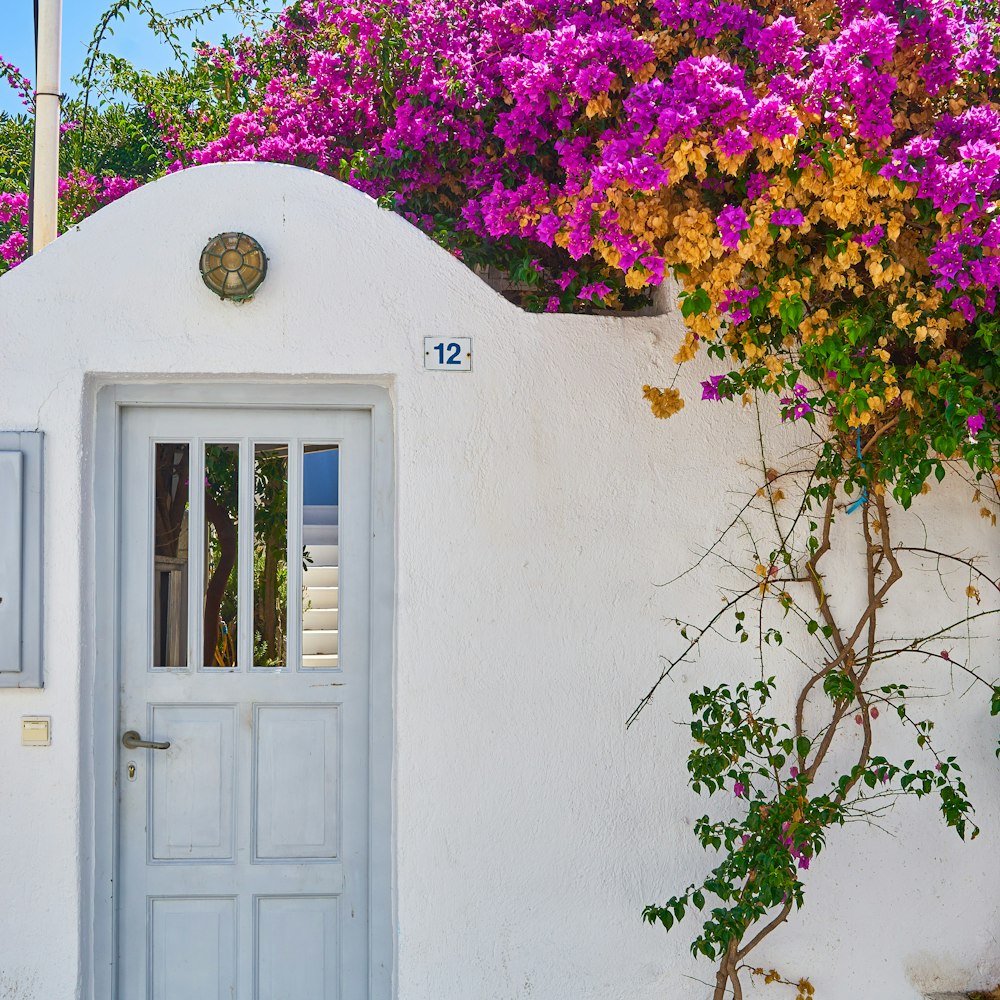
{"x": 133, "y": 741}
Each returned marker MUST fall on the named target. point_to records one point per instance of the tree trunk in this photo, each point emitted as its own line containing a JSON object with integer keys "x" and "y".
{"x": 269, "y": 619}
{"x": 215, "y": 589}
{"x": 727, "y": 974}
{"x": 170, "y": 507}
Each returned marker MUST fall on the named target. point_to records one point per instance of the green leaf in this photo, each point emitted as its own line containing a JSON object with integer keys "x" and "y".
{"x": 696, "y": 302}
{"x": 792, "y": 311}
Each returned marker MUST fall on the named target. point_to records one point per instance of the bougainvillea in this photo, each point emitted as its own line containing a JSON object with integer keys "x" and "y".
{"x": 822, "y": 178}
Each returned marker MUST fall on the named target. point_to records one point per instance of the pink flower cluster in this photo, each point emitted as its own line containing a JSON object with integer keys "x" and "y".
{"x": 499, "y": 104}
{"x": 736, "y": 302}
{"x": 797, "y": 851}
{"x": 504, "y": 124}
{"x": 797, "y": 405}
{"x": 13, "y": 226}
{"x": 18, "y": 82}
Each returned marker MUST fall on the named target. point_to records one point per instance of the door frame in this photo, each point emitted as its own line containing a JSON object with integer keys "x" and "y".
{"x": 100, "y": 680}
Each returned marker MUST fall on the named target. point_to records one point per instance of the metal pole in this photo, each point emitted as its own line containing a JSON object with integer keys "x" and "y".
{"x": 48, "y": 101}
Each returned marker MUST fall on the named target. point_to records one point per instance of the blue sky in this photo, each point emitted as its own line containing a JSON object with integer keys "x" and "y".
{"x": 132, "y": 39}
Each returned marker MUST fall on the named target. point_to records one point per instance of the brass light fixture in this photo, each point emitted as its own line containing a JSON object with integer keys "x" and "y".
{"x": 233, "y": 265}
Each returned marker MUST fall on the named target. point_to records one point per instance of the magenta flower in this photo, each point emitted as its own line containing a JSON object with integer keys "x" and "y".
{"x": 739, "y": 789}
{"x": 710, "y": 388}
{"x": 964, "y": 305}
{"x": 774, "y": 119}
{"x": 872, "y": 237}
{"x": 976, "y": 423}
{"x": 756, "y": 186}
{"x": 598, "y": 289}
{"x": 735, "y": 301}
{"x": 735, "y": 142}
{"x": 14, "y": 249}
{"x": 786, "y": 217}
{"x": 732, "y": 222}
{"x": 798, "y": 403}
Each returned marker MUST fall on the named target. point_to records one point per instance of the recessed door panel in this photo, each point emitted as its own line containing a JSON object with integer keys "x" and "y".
{"x": 298, "y": 781}
{"x": 193, "y": 949}
{"x": 298, "y": 948}
{"x": 193, "y": 783}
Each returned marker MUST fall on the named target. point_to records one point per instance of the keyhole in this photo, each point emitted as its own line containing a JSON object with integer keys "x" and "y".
{"x": 131, "y": 771}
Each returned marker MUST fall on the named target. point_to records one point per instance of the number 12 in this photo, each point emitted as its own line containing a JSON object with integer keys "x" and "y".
{"x": 454, "y": 358}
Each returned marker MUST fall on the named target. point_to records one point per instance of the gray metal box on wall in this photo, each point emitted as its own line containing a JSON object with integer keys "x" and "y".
{"x": 21, "y": 559}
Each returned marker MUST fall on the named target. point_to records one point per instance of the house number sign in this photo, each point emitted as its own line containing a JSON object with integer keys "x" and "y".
{"x": 442, "y": 354}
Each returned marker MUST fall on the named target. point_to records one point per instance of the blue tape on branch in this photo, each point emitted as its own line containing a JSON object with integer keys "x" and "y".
{"x": 864, "y": 493}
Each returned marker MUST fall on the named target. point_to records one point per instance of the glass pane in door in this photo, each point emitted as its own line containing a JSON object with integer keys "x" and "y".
{"x": 222, "y": 468}
{"x": 320, "y": 556}
{"x": 270, "y": 555}
{"x": 170, "y": 554}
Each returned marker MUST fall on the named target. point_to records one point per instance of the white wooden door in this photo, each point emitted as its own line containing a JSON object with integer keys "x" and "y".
{"x": 245, "y": 540}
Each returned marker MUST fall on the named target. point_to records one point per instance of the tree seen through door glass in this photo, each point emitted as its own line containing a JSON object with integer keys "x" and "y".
{"x": 170, "y": 555}
{"x": 270, "y": 555}
{"x": 222, "y": 468}
{"x": 320, "y": 556}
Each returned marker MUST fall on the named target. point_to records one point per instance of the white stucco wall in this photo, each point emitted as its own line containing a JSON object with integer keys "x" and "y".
{"x": 539, "y": 507}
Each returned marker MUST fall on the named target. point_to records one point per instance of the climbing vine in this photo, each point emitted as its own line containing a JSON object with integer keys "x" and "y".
{"x": 793, "y": 779}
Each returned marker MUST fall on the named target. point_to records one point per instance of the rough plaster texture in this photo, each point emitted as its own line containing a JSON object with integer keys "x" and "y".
{"x": 539, "y": 508}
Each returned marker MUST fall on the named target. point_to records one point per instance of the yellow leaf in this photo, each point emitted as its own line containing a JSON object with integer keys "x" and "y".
{"x": 634, "y": 278}
{"x": 663, "y": 402}
{"x": 599, "y": 105}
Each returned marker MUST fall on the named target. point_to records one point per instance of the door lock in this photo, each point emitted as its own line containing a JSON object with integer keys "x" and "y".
{"x": 133, "y": 741}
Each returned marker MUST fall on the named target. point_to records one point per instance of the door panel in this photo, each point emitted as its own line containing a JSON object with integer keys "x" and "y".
{"x": 245, "y": 644}
{"x": 298, "y": 951}
{"x": 297, "y": 770}
{"x": 193, "y": 948}
{"x": 193, "y": 787}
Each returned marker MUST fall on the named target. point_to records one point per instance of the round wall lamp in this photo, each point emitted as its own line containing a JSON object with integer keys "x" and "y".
{"x": 233, "y": 265}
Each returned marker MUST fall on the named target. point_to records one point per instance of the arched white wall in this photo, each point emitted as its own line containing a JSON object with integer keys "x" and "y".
{"x": 539, "y": 507}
